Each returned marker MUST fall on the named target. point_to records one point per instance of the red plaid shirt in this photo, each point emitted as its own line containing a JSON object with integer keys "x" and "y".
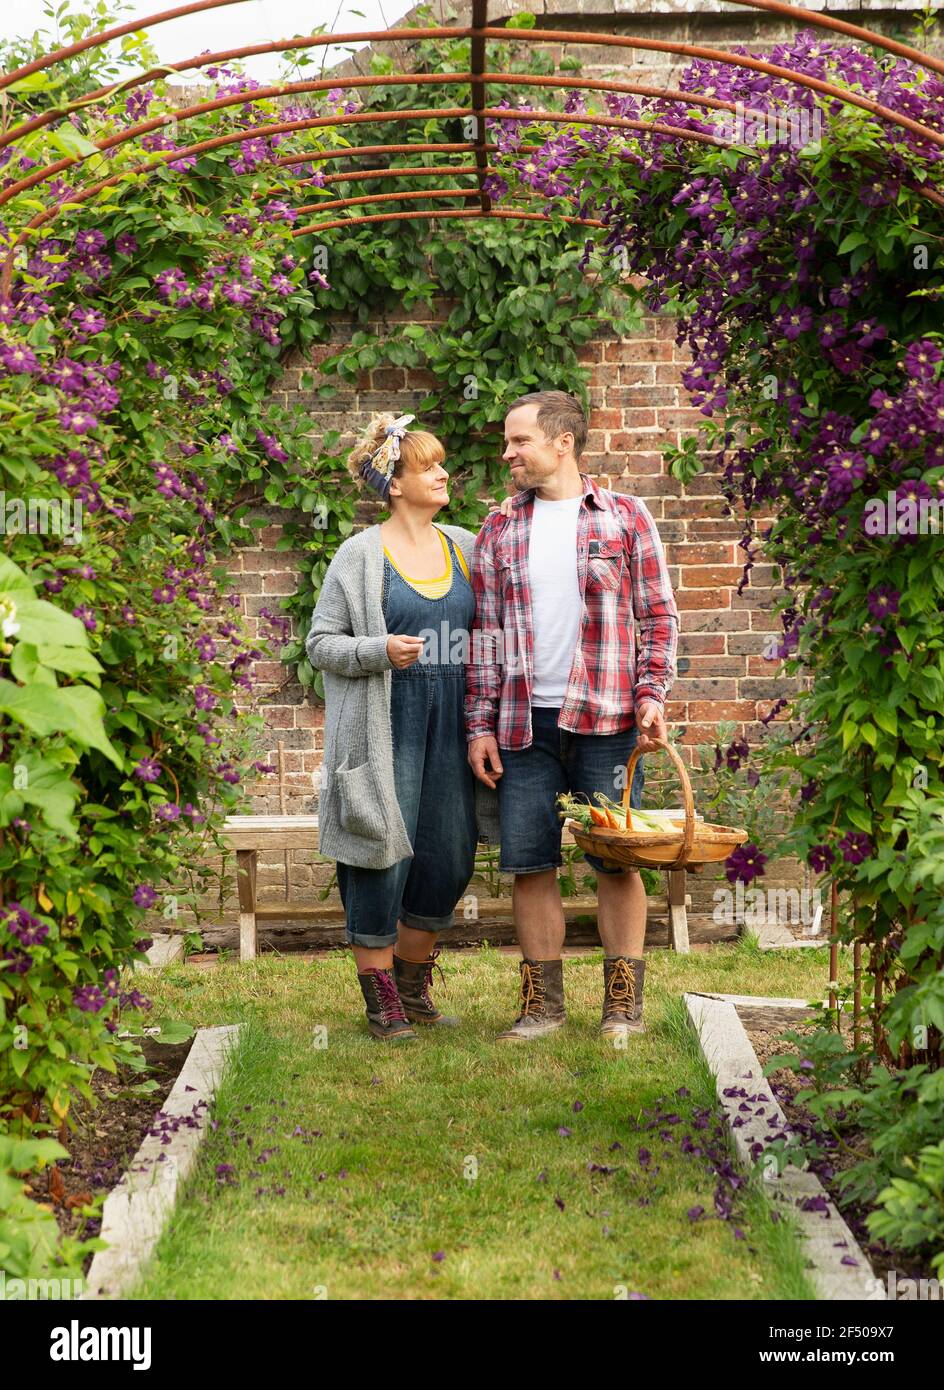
{"x": 623, "y": 579}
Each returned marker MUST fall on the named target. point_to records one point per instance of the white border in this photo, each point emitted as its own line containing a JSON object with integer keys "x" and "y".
{"x": 734, "y": 1064}
{"x": 136, "y": 1211}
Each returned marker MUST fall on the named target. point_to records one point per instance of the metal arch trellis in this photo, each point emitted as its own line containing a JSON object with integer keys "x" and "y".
{"x": 478, "y": 78}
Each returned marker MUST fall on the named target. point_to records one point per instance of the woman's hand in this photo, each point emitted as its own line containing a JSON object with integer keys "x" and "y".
{"x": 404, "y": 651}
{"x": 506, "y": 508}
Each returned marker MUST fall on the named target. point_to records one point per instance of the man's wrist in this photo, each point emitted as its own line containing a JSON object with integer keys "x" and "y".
{"x": 652, "y": 696}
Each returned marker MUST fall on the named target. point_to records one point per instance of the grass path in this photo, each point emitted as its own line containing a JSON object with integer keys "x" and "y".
{"x": 383, "y": 1159}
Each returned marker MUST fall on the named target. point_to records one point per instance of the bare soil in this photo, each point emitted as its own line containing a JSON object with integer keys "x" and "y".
{"x": 106, "y": 1137}
{"x": 788, "y": 1088}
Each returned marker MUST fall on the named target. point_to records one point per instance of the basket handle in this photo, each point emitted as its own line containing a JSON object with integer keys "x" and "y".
{"x": 688, "y": 835}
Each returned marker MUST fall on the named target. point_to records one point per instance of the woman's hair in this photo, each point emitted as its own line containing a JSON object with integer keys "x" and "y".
{"x": 417, "y": 447}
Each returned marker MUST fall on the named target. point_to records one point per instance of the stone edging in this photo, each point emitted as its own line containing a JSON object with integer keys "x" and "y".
{"x": 827, "y": 1240}
{"x": 164, "y": 950}
{"x": 136, "y": 1211}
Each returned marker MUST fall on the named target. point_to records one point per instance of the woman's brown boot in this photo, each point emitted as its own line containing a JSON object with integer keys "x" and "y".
{"x": 414, "y": 978}
{"x": 385, "y": 1016}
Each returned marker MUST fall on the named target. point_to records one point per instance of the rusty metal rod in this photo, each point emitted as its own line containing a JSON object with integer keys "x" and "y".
{"x": 317, "y": 156}
{"x": 401, "y": 193}
{"x": 411, "y": 170}
{"x": 434, "y": 214}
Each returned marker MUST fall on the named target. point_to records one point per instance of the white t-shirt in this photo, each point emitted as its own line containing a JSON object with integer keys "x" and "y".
{"x": 555, "y": 597}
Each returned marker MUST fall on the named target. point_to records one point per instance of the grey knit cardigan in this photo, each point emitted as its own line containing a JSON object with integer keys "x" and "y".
{"x": 359, "y": 820}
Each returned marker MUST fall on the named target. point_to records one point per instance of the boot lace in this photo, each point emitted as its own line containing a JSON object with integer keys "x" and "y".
{"x": 532, "y": 991}
{"x": 621, "y": 990}
{"x": 391, "y": 1007}
{"x": 431, "y": 965}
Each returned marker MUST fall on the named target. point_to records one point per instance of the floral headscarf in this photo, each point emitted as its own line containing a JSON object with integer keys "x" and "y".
{"x": 377, "y": 470}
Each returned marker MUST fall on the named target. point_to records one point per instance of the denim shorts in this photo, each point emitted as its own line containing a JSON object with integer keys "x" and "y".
{"x": 557, "y": 761}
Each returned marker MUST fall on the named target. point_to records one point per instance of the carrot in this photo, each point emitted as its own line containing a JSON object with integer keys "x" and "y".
{"x": 599, "y": 816}
{"x": 614, "y": 812}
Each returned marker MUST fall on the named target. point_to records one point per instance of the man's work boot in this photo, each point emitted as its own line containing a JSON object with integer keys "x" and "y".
{"x": 414, "y": 978}
{"x": 622, "y": 996}
{"x": 542, "y": 1001}
{"x": 385, "y": 1017}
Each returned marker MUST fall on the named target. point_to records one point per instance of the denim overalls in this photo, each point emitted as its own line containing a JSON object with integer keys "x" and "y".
{"x": 435, "y": 785}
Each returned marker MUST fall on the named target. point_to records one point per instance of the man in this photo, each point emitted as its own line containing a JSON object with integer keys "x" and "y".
{"x": 557, "y": 693}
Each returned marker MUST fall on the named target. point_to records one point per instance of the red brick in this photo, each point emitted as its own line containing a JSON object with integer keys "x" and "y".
{"x": 746, "y": 643}
{"x": 279, "y": 716}
{"x": 715, "y": 666}
{"x": 724, "y": 620}
{"x": 708, "y": 643}
{"x": 721, "y": 709}
{"x": 639, "y": 485}
{"x": 641, "y": 374}
{"x": 704, "y": 484}
{"x": 265, "y": 671}
{"x": 636, "y": 396}
{"x": 607, "y": 419}
{"x": 714, "y": 530}
{"x": 643, "y": 350}
{"x": 699, "y": 507}
{"x": 702, "y": 598}
{"x": 717, "y": 553}
{"x": 636, "y": 418}
{"x": 590, "y": 352}
{"x": 637, "y": 441}
{"x": 765, "y": 706}
{"x": 642, "y": 463}
{"x": 705, "y": 576}
{"x": 669, "y": 373}
{"x": 280, "y": 583}
{"x": 686, "y": 419}
{"x": 387, "y": 379}
{"x": 700, "y": 733}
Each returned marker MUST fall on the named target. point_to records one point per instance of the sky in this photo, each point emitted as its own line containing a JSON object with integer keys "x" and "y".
{"x": 252, "y": 21}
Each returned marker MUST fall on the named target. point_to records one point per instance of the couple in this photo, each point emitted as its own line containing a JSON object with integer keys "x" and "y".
{"x": 419, "y": 748}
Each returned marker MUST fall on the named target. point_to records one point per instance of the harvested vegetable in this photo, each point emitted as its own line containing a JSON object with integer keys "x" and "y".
{"x": 577, "y": 810}
{"x": 617, "y": 816}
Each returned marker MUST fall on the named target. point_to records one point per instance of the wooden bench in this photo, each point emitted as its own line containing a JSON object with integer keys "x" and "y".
{"x": 247, "y": 835}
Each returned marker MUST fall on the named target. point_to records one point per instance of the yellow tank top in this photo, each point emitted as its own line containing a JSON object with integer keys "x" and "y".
{"x": 433, "y": 588}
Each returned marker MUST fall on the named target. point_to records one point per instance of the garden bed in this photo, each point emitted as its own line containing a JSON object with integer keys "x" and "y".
{"x": 789, "y": 1088}
{"x": 107, "y": 1138}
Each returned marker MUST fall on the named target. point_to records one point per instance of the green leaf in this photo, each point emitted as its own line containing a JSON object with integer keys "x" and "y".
{"x": 14, "y": 583}
{"x": 42, "y": 622}
{"x": 75, "y": 711}
{"x": 173, "y": 1030}
{"x": 850, "y": 242}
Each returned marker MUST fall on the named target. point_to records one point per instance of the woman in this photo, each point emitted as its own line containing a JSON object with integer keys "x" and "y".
{"x": 397, "y": 808}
